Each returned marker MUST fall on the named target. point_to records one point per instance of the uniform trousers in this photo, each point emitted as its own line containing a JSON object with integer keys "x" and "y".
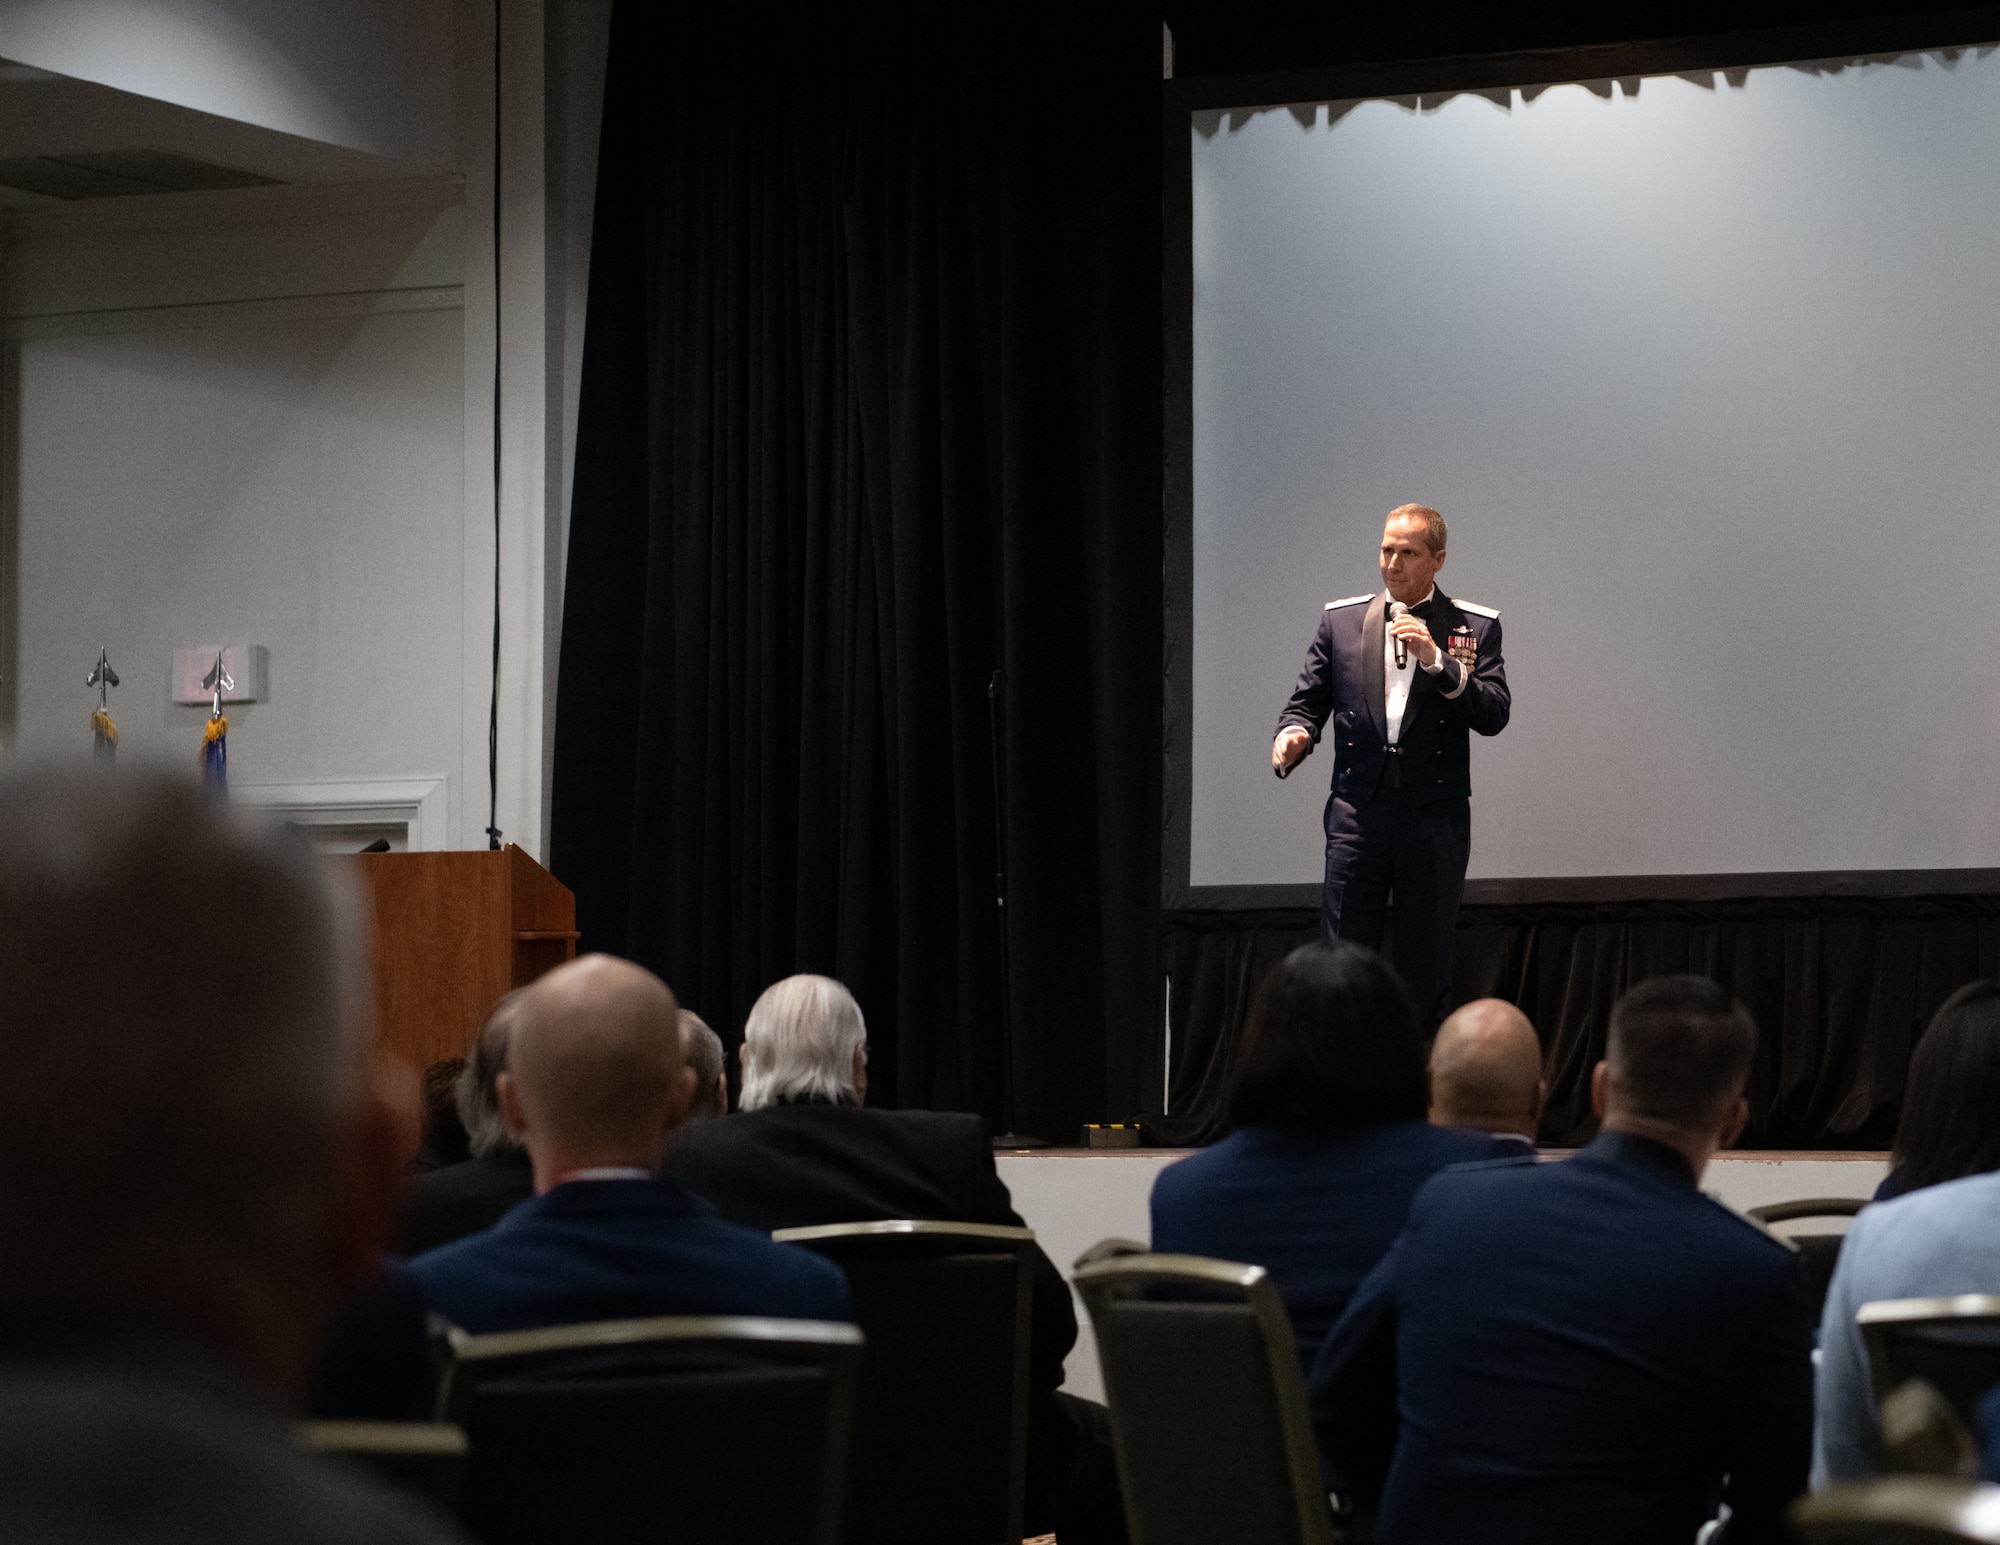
{"x": 1416, "y": 851}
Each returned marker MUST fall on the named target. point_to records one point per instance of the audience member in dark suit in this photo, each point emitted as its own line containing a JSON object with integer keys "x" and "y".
{"x": 375, "y": 1360}
{"x": 1950, "y": 1122}
{"x": 704, "y": 1054}
{"x": 461, "y": 1199}
{"x": 1590, "y": 1350}
{"x": 1486, "y": 1074}
{"x": 596, "y": 1078}
{"x": 1328, "y": 1140}
{"x": 200, "y": 1167}
{"x": 804, "y": 1149}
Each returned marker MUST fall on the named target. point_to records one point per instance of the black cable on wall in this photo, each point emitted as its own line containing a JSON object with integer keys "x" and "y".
{"x": 493, "y": 702}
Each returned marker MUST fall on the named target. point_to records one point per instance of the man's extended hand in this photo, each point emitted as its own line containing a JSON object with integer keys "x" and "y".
{"x": 1413, "y": 631}
{"x": 1289, "y": 749}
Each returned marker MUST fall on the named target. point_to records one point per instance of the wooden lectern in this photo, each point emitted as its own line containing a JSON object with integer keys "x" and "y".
{"x": 454, "y": 933}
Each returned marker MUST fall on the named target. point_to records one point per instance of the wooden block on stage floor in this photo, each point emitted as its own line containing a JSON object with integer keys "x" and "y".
{"x": 454, "y": 933}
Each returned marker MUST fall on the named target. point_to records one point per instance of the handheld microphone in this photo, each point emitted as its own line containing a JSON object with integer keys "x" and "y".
{"x": 1398, "y": 609}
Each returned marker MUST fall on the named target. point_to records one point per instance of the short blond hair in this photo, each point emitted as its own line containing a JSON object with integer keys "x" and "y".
{"x": 1434, "y": 527}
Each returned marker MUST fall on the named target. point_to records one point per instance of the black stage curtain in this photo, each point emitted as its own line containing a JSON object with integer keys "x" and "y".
{"x": 1840, "y": 989}
{"x": 870, "y": 410}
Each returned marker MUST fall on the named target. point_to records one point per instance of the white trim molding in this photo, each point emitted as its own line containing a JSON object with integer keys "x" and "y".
{"x": 418, "y": 804}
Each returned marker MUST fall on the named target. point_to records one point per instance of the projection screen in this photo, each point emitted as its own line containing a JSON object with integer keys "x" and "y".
{"x": 1704, "y": 373}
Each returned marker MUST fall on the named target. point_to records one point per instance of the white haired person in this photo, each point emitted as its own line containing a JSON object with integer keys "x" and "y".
{"x": 201, "y": 1162}
{"x": 805, "y": 1148}
{"x": 805, "y": 1043}
{"x": 597, "y": 1081}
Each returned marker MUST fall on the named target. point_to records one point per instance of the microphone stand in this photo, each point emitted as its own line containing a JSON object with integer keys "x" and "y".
{"x": 1003, "y": 954}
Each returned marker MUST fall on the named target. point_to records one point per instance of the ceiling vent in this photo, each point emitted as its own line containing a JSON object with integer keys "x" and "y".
{"x": 116, "y": 173}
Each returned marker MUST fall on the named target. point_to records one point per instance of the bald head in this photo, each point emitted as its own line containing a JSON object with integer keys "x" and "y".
{"x": 596, "y": 1071}
{"x": 1486, "y": 1070}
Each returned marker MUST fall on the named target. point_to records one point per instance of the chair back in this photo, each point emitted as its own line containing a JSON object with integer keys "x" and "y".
{"x": 1818, "y": 1248}
{"x": 1922, "y": 1435}
{"x": 424, "y": 1457}
{"x": 1953, "y": 1344}
{"x": 698, "y": 1430}
{"x": 939, "y": 1455}
{"x": 1208, "y": 1410}
{"x": 1900, "y": 1510}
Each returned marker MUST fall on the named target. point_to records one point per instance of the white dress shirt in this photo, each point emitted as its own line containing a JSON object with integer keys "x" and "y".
{"x": 1396, "y": 683}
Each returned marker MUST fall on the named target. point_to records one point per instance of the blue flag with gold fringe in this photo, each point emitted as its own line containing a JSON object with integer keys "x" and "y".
{"x": 215, "y": 743}
{"x": 215, "y": 754}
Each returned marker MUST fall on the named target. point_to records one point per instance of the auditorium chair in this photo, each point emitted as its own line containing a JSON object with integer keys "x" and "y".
{"x": 1208, "y": 1409}
{"x": 939, "y": 1455}
{"x": 1922, "y": 1435}
{"x": 700, "y": 1430}
{"x": 1900, "y": 1510}
{"x": 1820, "y": 1248}
{"x": 1951, "y": 1343}
{"x": 423, "y": 1457}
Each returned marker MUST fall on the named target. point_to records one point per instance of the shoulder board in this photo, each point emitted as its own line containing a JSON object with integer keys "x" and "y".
{"x": 1749, "y": 1222}
{"x": 1475, "y": 608}
{"x": 1356, "y": 600}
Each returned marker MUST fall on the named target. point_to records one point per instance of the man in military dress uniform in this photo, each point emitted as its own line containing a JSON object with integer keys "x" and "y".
{"x": 1403, "y": 674}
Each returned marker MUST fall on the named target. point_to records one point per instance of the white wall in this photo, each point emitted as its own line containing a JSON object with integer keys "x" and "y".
{"x": 214, "y": 442}
{"x": 552, "y": 86}
{"x": 362, "y": 74}
{"x": 295, "y": 483}
{"x": 268, "y": 415}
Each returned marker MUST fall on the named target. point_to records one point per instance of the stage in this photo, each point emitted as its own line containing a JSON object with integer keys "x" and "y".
{"x": 1073, "y": 1197}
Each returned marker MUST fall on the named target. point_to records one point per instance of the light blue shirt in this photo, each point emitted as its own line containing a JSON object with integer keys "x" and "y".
{"x": 1941, "y": 1240}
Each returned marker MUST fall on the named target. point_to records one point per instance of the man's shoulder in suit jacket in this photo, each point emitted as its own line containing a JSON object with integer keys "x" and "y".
{"x": 798, "y": 1165}
{"x": 622, "y": 1249}
{"x": 1316, "y": 1203}
{"x": 116, "y": 1436}
{"x": 791, "y": 1166}
{"x": 464, "y": 1198}
{"x": 1579, "y": 1351}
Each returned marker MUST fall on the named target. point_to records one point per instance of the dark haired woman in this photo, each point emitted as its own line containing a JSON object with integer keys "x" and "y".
{"x": 1327, "y": 1142}
{"x": 1950, "y": 1125}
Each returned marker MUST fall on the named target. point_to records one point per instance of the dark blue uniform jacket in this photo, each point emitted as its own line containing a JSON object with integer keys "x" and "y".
{"x": 1343, "y": 681}
{"x": 622, "y": 1249}
{"x": 1315, "y": 1203}
{"x": 1571, "y": 1352}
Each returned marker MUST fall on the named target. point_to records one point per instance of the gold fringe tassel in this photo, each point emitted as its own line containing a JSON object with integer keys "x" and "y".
{"x": 100, "y": 721}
